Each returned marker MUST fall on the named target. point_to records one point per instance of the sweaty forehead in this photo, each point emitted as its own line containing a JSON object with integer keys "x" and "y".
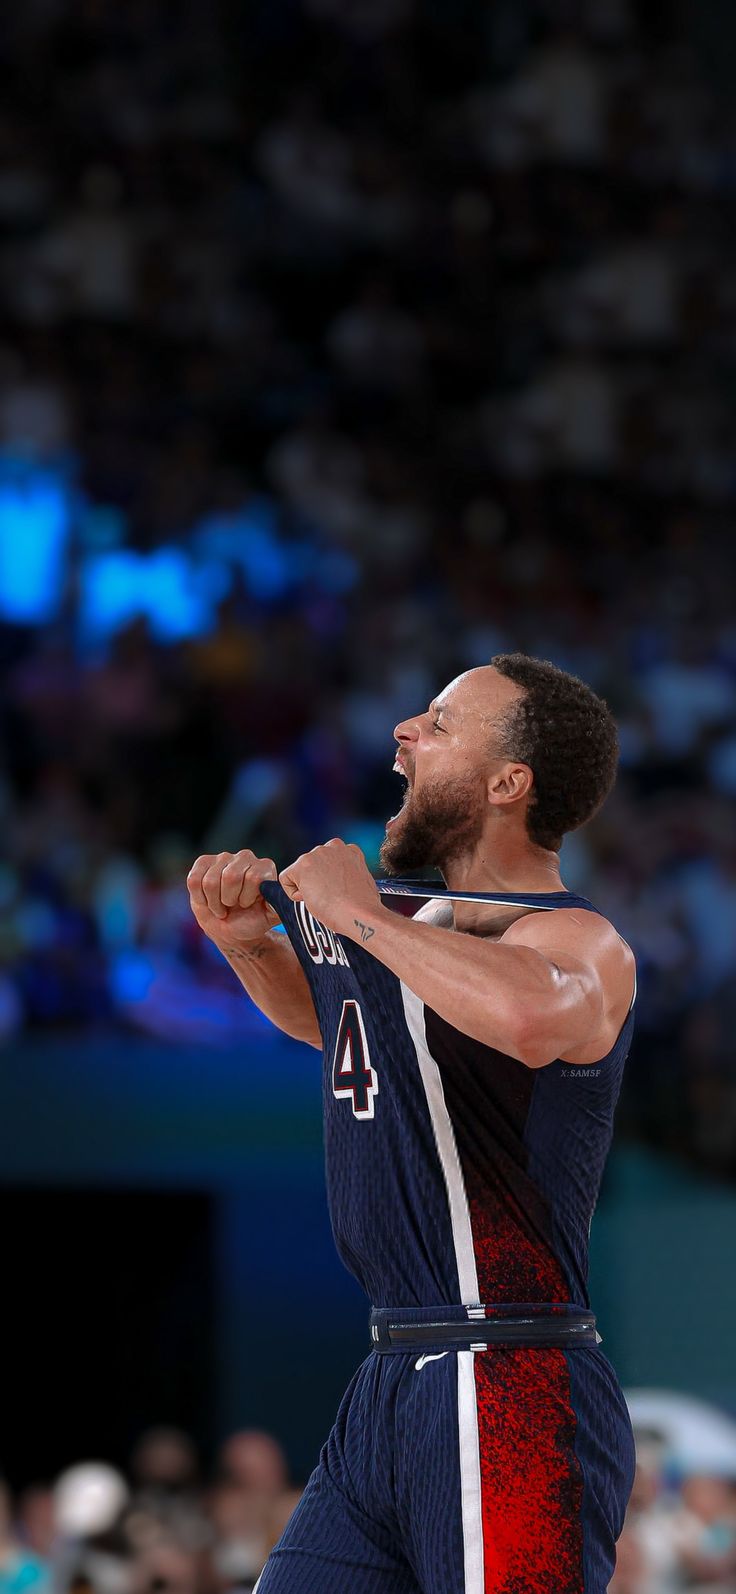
{"x": 480, "y": 694}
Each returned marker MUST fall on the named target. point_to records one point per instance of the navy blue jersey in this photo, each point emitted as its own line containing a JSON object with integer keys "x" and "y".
{"x": 455, "y": 1174}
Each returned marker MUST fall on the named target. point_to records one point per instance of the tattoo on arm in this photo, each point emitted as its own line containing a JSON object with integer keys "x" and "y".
{"x": 247, "y": 954}
{"x": 366, "y": 930}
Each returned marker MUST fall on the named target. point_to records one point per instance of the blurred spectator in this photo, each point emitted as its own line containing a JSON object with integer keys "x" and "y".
{"x": 374, "y": 343}
{"x": 93, "y": 252}
{"x": 705, "y": 1535}
{"x": 36, "y": 1520}
{"x": 648, "y": 1556}
{"x": 164, "y": 1462}
{"x": 89, "y": 1549}
{"x": 20, "y": 1568}
{"x": 630, "y": 1575}
{"x": 253, "y": 1461}
{"x": 166, "y": 1511}
{"x": 247, "y": 1505}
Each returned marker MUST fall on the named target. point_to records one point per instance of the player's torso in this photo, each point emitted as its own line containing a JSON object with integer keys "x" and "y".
{"x": 454, "y": 1173}
{"x": 385, "y": 1188}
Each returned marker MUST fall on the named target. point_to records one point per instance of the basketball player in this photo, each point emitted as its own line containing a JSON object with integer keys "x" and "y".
{"x": 472, "y": 1060}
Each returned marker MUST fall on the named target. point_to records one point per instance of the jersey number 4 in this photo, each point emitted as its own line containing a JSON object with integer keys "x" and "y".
{"x": 352, "y": 1074}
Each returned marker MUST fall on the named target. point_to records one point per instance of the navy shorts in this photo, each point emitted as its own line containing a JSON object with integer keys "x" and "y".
{"x": 493, "y": 1472}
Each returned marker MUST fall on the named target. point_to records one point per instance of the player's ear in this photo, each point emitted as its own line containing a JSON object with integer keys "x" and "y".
{"x": 510, "y": 783}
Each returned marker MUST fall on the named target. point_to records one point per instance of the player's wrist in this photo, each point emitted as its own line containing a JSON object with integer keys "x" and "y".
{"x": 236, "y": 948}
{"x": 364, "y": 921}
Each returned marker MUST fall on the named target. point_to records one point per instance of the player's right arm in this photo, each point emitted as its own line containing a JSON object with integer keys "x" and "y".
{"x": 225, "y": 896}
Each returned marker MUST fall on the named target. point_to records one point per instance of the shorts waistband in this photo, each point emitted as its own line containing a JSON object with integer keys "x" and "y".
{"x": 547, "y": 1325}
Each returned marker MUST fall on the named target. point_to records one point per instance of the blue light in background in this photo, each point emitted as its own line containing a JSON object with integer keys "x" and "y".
{"x": 249, "y": 537}
{"x": 35, "y": 514}
{"x": 166, "y": 587}
{"x": 367, "y": 834}
{"x": 131, "y": 976}
{"x": 177, "y": 605}
{"x": 176, "y": 588}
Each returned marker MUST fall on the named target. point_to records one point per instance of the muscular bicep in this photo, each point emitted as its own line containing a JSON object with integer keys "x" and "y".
{"x": 591, "y": 980}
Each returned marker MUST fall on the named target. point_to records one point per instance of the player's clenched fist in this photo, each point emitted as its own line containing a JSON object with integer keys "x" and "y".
{"x": 336, "y": 885}
{"x": 225, "y": 894}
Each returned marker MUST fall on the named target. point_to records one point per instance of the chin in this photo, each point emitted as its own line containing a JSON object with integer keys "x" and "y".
{"x": 395, "y": 858}
{"x": 386, "y": 854}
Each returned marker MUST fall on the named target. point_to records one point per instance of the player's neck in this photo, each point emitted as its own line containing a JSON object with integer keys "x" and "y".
{"x": 517, "y": 870}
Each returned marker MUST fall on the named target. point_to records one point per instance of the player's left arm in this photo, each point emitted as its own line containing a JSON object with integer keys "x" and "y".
{"x": 557, "y": 985}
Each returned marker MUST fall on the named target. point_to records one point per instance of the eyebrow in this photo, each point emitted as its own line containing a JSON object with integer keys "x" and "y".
{"x": 439, "y": 708}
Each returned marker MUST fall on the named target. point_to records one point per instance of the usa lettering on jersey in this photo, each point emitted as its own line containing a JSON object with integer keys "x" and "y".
{"x": 320, "y": 942}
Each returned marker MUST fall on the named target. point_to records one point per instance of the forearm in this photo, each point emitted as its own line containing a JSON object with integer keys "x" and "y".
{"x": 271, "y": 973}
{"x": 489, "y": 991}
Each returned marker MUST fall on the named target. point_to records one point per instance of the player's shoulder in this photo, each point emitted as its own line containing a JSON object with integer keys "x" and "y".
{"x": 436, "y": 911}
{"x": 581, "y": 931}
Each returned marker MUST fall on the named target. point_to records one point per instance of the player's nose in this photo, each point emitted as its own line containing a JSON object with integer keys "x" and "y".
{"x": 407, "y": 730}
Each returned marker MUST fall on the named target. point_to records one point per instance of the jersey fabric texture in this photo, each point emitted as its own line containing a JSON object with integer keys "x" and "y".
{"x": 457, "y": 1176}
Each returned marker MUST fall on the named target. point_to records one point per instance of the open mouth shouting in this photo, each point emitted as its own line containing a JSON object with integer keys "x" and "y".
{"x": 400, "y": 769}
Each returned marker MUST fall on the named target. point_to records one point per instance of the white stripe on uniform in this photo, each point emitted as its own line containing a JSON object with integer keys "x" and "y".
{"x": 462, "y": 1234}
{"x": 447, "y": 1152}
{"x": 470, "y": 1487}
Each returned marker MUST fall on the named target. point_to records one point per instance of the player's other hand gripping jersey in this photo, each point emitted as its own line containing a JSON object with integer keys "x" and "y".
{"x": 455, "y": 1174}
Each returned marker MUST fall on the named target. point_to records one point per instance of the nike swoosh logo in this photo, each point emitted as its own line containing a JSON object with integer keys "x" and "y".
{"x": 422, "y": 1361}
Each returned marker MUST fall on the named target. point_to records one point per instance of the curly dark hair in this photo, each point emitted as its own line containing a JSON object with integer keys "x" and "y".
{"x": 567, "y": 735}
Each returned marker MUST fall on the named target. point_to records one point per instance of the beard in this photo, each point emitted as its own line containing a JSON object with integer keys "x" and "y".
{"x": 434, "y": 826}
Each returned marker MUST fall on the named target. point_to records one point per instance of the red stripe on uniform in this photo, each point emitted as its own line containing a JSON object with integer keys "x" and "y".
{"x": 531, "y": 1482}
{"x": 513, "y": 1264}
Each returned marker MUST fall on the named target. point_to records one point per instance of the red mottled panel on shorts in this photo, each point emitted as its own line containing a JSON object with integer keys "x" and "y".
{"x": 531, "y": 1482}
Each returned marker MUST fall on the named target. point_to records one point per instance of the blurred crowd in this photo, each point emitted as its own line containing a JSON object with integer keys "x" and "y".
{"x": 678, "y": 1539}
{"x": 346, "y": 343}
{"x": 163, "y": 1529}
{"x": 166, "y": 1529}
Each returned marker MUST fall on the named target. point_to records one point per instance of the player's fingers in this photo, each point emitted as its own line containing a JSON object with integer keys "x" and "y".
{"x": 287, "y": 879}
{"x": 195, "y": 878}
{"x": 211, "y": 884}
{"x": 235, "y": 880}
{"x": 235, "y": 871}
{"x": 241, "y": 879}
{"x": 262, "y": 869}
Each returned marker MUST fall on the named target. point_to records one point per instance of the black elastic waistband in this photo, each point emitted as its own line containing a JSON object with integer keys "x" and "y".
{"x": 551, "y": 1324}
